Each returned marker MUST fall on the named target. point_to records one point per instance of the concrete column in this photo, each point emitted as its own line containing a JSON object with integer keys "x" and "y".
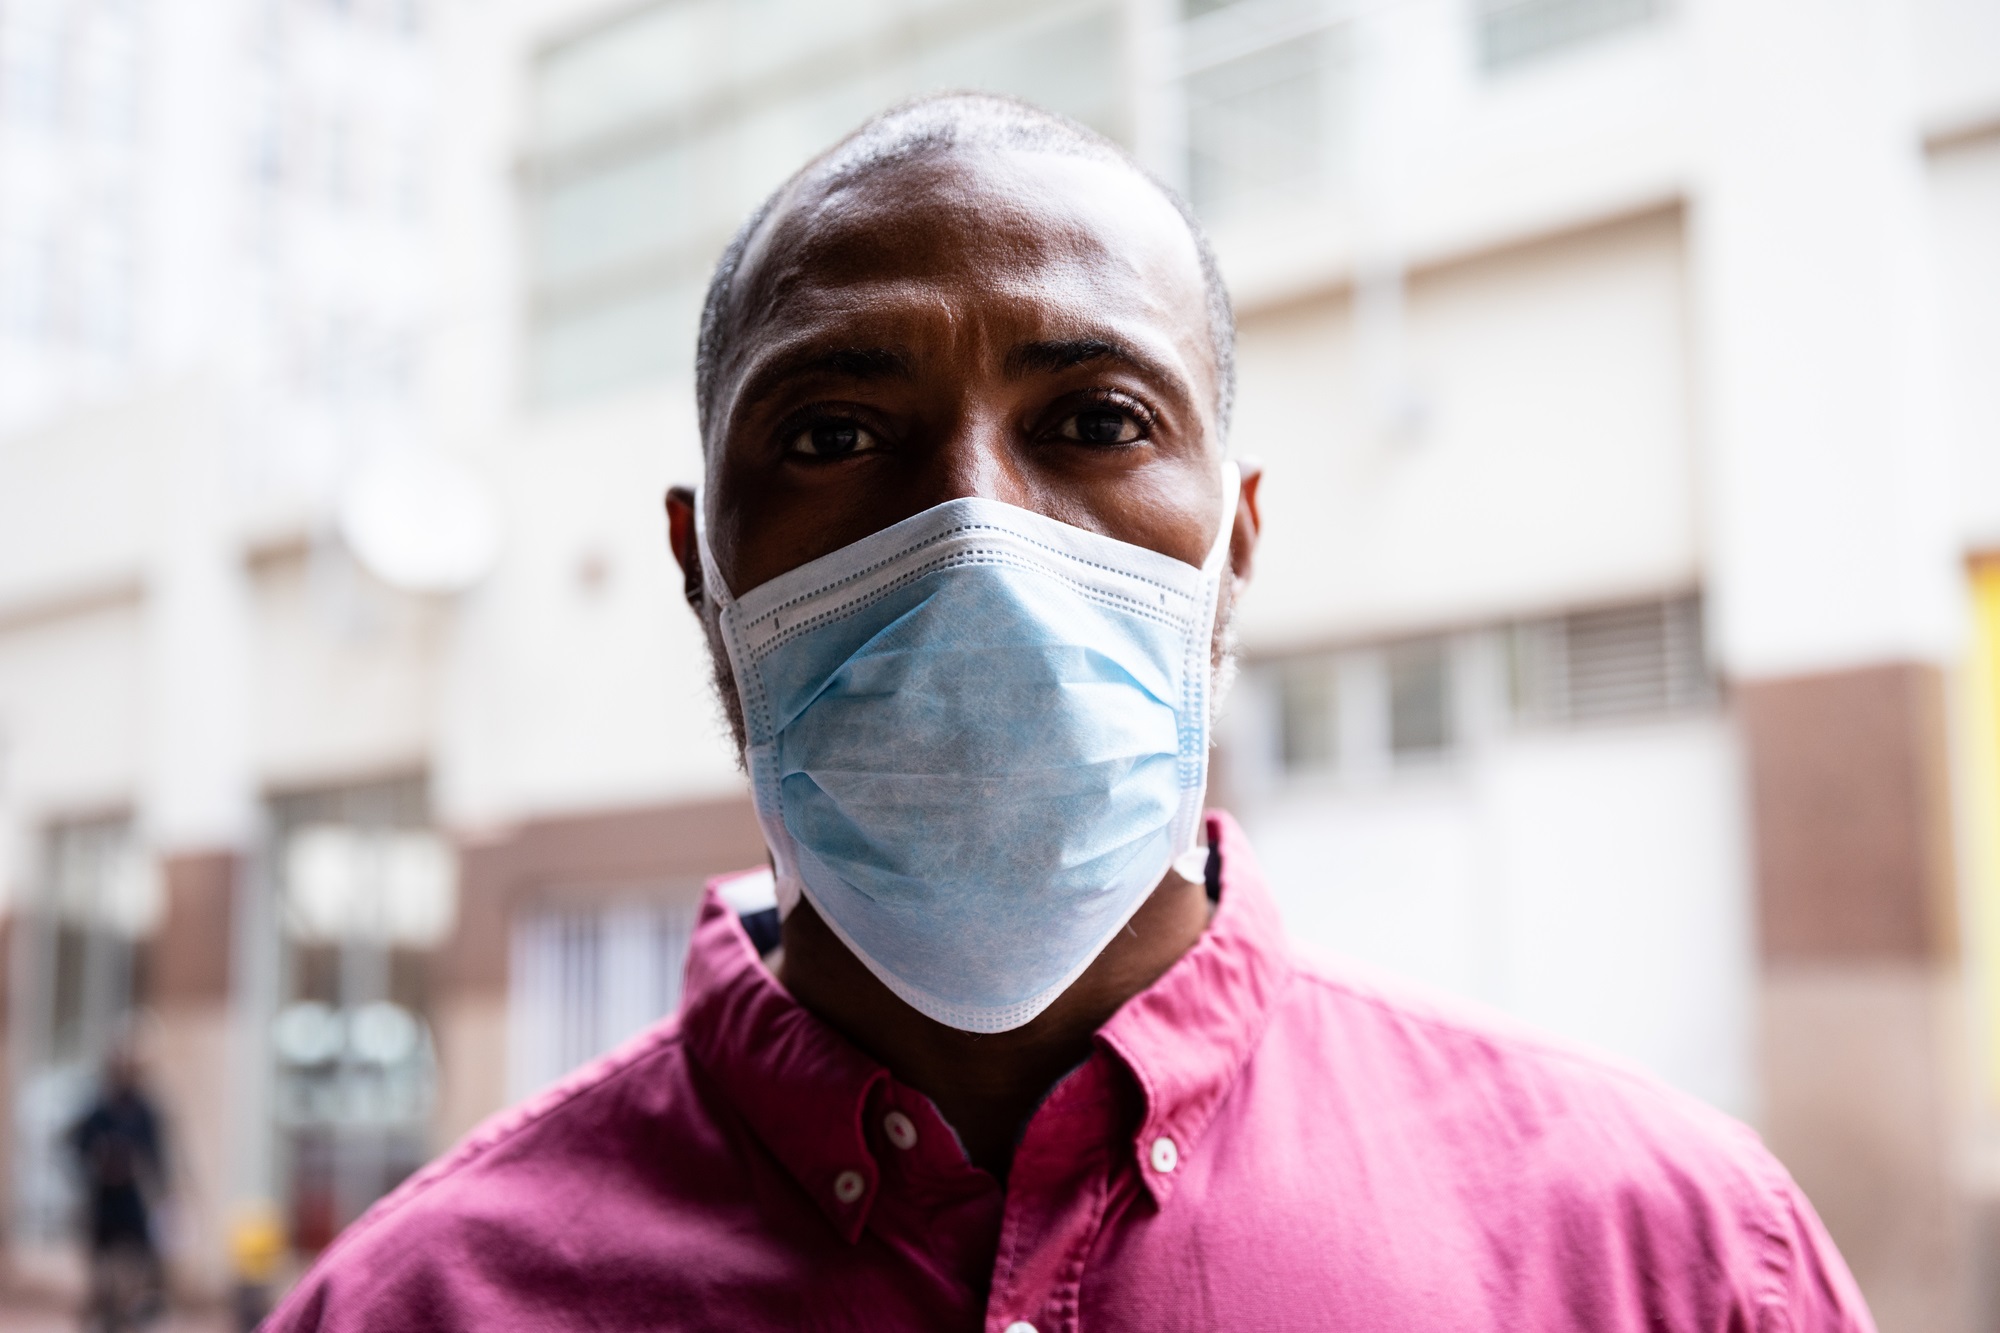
{"x": 197, "y": 808}
{"x": 1835, "y": 591}
{"x": 190, "y": 994}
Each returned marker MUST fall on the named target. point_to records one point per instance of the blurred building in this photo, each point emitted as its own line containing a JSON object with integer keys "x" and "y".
{"x": 218, "y": 265}
{"x": 1625, "y": 650}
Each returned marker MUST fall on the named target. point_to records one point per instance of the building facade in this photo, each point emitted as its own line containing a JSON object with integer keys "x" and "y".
{"x": 1624, "y": 652}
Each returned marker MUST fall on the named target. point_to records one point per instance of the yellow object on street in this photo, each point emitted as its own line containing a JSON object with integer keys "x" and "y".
{"x": 256, "y": 1242}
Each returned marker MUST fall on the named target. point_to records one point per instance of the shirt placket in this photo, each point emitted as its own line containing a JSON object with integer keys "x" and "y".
{"x": 1057, "y": 1190}
{"x": 935, "y": 1209}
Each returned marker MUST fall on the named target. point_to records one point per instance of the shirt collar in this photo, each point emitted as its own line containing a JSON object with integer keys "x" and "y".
{"x": 802, "y": 1089}
{"x": 1184, "y": 1039}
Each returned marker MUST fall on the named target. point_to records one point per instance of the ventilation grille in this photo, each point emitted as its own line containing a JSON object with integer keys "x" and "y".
{"x": 1622, "y": 662}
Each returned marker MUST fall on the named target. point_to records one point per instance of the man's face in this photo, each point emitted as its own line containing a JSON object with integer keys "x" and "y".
{"x": 1015, "y": 326}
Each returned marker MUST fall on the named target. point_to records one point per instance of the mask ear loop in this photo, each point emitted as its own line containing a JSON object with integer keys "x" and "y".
{"x": 1232, "y": 490}
{"x": 1192, "y": 864}
{"x": 785, "y": 882}
{"x": 711, "y": 578}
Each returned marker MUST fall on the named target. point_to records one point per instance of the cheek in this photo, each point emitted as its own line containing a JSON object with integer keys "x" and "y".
{"x": 1223, "y": 657}
{"x": 1222, "y": 643}
{"x": 722, "y": 677}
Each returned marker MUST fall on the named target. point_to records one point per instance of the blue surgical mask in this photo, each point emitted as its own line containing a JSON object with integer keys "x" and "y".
{"x": 976, "y": 742}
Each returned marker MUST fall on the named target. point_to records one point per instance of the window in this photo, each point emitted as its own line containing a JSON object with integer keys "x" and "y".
{"x": 1419, "y": 698}
{"x": 81, "y": 963}
{"x": 1360, "y": 713}
{"x": 1262, "y": 127}
{"x": 31, "y": 67}
{"x": 1308, "y": 714}
{"x": 106, "y": 74}
{"x": 27, "y": 296}
{"x": 102, "y": 301}
{"x": 1356, "y": 712}
{"x": 584, "y": 979}
{"x": 365, "y": 890}
{"x": 1514, "y": 32}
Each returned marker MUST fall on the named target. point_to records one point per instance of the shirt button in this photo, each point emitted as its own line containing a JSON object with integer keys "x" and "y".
{"x": 1020, "y": 1326}
{"x": 901, "y": 1132}
{"x": 1165, "y": 1155}
{"x": 848, "y": 1186}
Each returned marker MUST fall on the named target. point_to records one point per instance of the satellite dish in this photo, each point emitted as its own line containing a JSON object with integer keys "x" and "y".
{"x": 420, "y": 521}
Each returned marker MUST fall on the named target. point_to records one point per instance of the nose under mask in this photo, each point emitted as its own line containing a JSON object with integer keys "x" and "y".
{"x": 976, "y": 741}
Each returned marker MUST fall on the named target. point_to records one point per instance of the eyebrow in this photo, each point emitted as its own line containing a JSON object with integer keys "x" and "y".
{"x": 857, "y": 363}
{"x": 877, "y": 363}
{"x": 1061, "y": 354}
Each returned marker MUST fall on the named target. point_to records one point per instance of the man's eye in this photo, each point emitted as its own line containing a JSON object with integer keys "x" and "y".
{"x": 1101, "y": 425}
{"x": 834, "y": 439}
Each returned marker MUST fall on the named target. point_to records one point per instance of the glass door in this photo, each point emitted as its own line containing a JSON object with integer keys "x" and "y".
{"x": 365, "y": 892}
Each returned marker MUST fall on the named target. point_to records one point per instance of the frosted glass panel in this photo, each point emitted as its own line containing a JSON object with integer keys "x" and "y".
{"x": 682, "y": 52}
{"x": 1265, "y": 129}
{"x": 635, "y": 336}
{"x": 1071, "y": 65}
{"x": 1512, "y": 32}
{"x": 612, "y": 217}
{"x": 623, "y": 72}
{"x": 581, "y": 981}
{"x": 648, "y": 158}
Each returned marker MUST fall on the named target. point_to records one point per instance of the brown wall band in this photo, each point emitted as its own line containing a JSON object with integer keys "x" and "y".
{"x": 190, "y": 957}
{"x": 1851, "y": 808}
{"x": 578, "y": 855}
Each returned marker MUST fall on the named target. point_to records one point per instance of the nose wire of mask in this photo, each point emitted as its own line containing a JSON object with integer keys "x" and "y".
{"x": 976, "y": 741}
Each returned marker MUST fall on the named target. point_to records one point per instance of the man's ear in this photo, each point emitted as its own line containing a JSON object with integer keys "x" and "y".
{"x": 1249, "y": 521}
{"x": 680, "y": 536}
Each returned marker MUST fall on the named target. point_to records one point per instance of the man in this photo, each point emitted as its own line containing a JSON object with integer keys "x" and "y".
{"x": 1031, "y": 1053}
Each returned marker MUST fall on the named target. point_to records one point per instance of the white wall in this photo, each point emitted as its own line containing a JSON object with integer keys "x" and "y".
{"x": 1623, "y": 867}
{"x": 1551, "y": 465}
{"x": 1449, "y": 161}
{"x": 79, "y": 501}
{"x": 1827, "y": 462}
{"x": 71, "y": 686}
{"x": 566, "y": 693}
{"x": 1593, "y": 882}
{"x": 1965, "y": 215}
{"x": 1958, "y": 61}
{"x": 345, "y": 671}
{"x": 89, "y": 510}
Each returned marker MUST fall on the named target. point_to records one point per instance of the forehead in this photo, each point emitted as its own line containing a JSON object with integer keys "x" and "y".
{"x": 1070, "y": 238}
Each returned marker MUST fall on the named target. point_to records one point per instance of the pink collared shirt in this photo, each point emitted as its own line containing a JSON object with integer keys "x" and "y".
{"x": 1257, "y": 1143}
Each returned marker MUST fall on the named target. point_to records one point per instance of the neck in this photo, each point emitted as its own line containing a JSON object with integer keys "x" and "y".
{"x": 987, "y": 1084}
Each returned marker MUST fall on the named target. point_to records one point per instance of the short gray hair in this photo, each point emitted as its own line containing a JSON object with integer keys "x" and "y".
{"x": 928, "y": 127}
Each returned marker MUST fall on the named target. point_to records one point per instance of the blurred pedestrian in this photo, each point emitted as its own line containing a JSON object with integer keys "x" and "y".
{"x": 121, "y": 1151}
